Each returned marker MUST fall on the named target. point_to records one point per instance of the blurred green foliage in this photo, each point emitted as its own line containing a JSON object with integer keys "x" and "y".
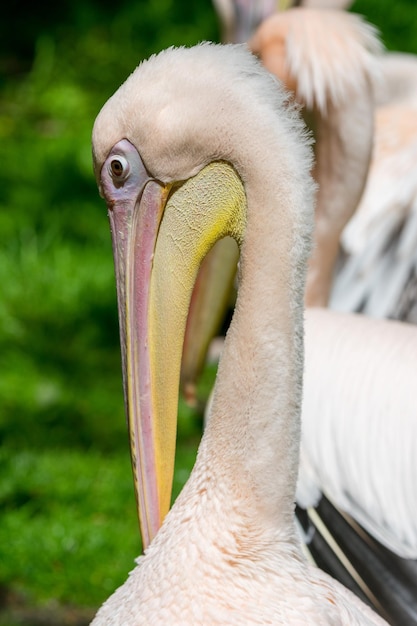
{"x": 68, "y": 530}
{"x": 59, "y": 340}
{"x": 44, "y": 531}
{"x": 395, "y": 19}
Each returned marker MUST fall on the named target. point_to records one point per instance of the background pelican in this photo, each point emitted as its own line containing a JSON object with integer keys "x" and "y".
{"x": 185, "y": 156}
{"x": 327, "y": 59}
{"x": 378, "y": 275}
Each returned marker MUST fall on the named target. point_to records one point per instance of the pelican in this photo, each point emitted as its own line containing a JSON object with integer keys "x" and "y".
{"x": 379, "y": 275}
{"x": 328, "y": 58}
{"x": 197, "y": 144}
{"x": 378, "y": 272}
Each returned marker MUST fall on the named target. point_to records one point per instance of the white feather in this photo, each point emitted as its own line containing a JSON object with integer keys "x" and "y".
{"x": 359, "y": 423}
{"x": 380, "y": 241}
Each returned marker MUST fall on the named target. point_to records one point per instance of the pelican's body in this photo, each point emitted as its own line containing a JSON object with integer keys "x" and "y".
{"x": 359, "y": 440}
{"x": 213, "y": 564}
{"x": 379, "y": 276}
{"x": 328, "y": 59}
{"x": 379, "y": 272}
{"x": 228, "y": 158}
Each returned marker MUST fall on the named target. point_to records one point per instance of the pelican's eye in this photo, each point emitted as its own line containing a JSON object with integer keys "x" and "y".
{"x": 119, "y": 168}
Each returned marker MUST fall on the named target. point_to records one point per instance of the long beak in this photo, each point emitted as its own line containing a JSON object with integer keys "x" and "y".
{"x": 160, "y": 234}
{"x": 134, "y": 225}
{"x": 212, "y": 295}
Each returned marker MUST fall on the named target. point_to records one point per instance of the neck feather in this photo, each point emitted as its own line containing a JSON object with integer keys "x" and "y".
{"x": 252, "y": 440}
{"x": 343, "y": 151}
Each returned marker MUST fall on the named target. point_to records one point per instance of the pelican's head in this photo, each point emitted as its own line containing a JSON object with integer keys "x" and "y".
{"x": 173, "y": 149}
{"x": 157, "y": 159}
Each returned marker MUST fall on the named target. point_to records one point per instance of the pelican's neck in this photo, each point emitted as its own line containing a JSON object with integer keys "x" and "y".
{"x": 251, "y": 443}
{"x": 343, "y": 150}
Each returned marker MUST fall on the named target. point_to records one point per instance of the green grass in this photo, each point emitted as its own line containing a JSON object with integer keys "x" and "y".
{"x": 68, "y": 531}
{"x": 69, "y": 528}
{"x": 64, "y": 514}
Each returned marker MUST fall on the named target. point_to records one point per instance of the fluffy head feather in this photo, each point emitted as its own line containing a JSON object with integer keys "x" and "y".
{"x": 173, "y": 109}
{"x": 323, "y": 55}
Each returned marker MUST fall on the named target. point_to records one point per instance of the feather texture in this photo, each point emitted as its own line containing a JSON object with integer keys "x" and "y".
{"x": 328, "y": 55}
{"x": 380, "y": 240}
{"x": 359, "y": 423}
